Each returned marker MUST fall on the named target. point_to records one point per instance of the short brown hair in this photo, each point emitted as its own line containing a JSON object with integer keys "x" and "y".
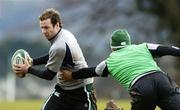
{"x": 52, "y": 14}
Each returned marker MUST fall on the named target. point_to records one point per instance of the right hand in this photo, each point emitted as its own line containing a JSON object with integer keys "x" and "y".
{"x": 65, "y": 74}
{"x": 21, "y": 69}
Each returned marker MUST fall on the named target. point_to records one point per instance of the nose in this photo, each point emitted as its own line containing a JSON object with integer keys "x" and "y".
{"x": 43, "y": 31}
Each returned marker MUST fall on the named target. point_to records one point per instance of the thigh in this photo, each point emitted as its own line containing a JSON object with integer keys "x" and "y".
{"x": 88, "y": 102}
{"x": 141, "y": 101}
{"x": 55, "y": 102}
{"x": 169, "y": 98}
{"x": 83, "y": 100}
{"x": 171, "y": 103}
{"x": 143, "y": 94}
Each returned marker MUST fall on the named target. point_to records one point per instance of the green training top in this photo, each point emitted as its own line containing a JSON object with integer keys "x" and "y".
{"x": 131, "y": 62}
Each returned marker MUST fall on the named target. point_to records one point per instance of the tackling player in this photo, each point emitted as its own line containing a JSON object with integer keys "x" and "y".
{"x": 133, "y": 66}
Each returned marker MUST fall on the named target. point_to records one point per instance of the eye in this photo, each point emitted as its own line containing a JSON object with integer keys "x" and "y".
{"x": 44, "y": 27}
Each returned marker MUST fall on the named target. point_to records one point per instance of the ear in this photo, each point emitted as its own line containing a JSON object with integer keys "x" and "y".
{"x": 57, "y": 25}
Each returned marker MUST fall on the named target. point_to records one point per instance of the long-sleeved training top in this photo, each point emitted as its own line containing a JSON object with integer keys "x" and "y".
{"x": 64, "y": 52}
{"x": 130, "y": 63}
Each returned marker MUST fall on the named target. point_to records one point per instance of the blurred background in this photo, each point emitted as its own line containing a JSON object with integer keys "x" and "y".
{"x": 92, "y": 22}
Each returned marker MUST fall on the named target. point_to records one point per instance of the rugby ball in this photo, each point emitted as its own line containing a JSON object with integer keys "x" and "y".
{"x": 19, "y": 57}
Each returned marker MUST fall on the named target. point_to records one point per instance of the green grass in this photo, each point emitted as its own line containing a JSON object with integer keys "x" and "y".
{"x": 21, "y": 105}
{"x": 36, "y": 104}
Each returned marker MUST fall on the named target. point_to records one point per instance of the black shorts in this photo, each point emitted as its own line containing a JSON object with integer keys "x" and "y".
{"x": 152, "y": 90}
{"x": 78, "y": 99}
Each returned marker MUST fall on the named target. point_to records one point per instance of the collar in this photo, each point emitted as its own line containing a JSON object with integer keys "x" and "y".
{"x": 54, "y": 37}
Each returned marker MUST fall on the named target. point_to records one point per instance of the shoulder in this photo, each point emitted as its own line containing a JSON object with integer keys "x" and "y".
{"x": 58, "y": 47}
{"x": 152, "y": 46}
{"x": 66, "y": 32}
{"x": 101, "y": 67}
{"x": 102, "y": 64}
{"x": 67, "y": 36}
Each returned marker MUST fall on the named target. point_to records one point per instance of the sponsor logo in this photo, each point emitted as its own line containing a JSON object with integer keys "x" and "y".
{"x": 56, "y": 94}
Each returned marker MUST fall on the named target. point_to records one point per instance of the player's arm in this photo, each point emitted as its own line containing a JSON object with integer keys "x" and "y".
{"x": 84, "y": 73}
{"x": 44, "y": 74}
{"x": 40, "y": 60}
{"x": 53, "y": 65}
{"x": 27, "y": 68}
{"x": 161, "y": 50}
{"x": 100, "y": 70}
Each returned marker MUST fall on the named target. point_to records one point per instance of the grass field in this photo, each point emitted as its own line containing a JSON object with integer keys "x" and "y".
{"x": 36, "y": 104}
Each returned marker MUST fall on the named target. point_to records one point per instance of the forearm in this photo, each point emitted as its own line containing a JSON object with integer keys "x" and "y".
{"x": 165, "y": 50}
{"x": 101, "y": 70}
{"x": 41, "y": 60}
{"x": 169, "y": 50}
{"x": 44, "y": 74}
{"x": 84, "y": 73}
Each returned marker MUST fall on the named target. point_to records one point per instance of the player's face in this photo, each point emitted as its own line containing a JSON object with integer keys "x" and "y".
{"x": 47, "y": 28}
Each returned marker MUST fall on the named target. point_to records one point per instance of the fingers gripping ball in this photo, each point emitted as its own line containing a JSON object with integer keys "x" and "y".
{"x": 20, "y": 57}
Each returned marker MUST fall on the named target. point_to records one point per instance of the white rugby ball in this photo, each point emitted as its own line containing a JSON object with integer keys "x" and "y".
{"x": 19, "y": 57}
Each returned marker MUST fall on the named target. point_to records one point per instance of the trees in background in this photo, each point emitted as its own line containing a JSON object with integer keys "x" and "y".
{"x": 168, "y": 12}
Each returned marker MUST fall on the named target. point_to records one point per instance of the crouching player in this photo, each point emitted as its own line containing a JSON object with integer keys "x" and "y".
{"x": 134, "y": 67}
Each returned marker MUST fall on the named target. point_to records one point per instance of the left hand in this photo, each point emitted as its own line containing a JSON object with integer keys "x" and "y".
{"x": 21, "y": 69}
{"x": 65, "y": 75}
